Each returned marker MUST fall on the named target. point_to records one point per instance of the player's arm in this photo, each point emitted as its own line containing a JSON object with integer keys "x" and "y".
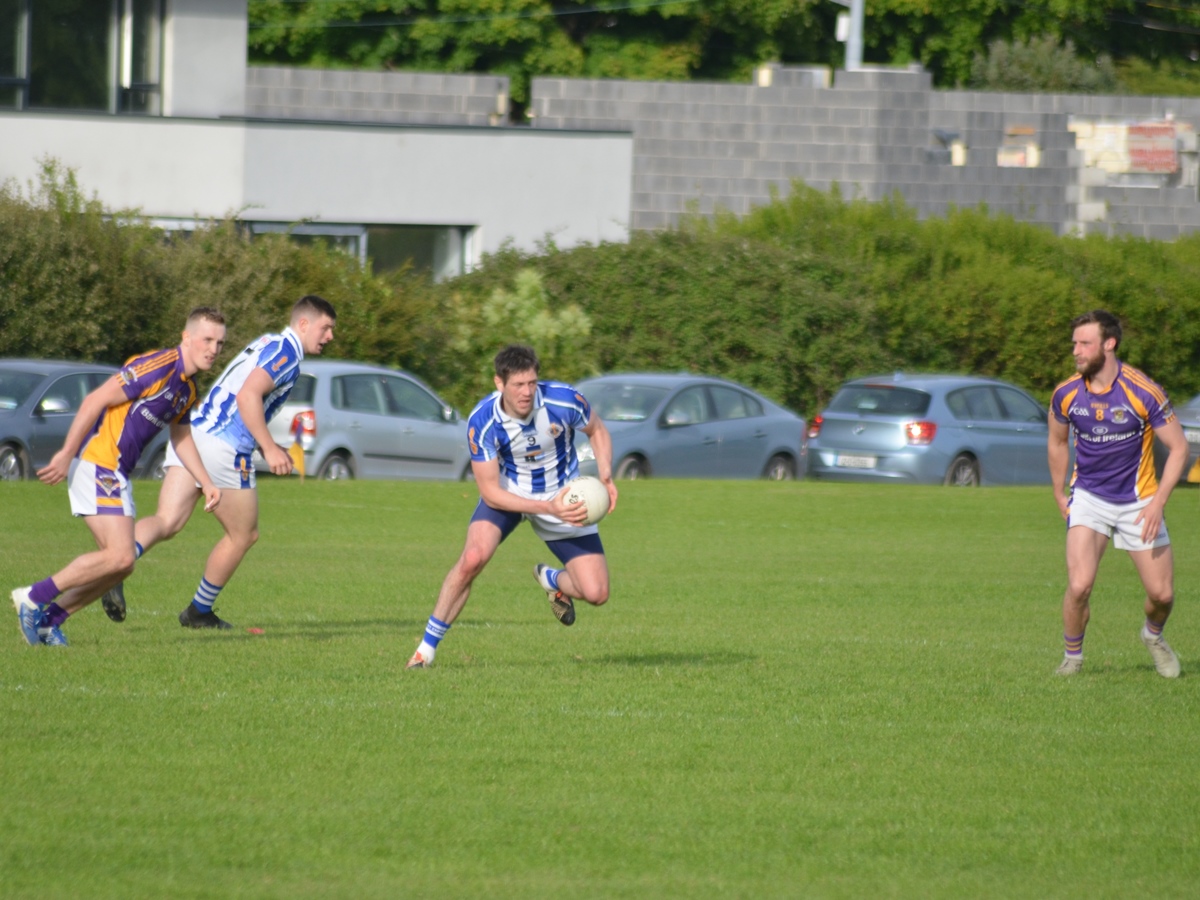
{"x": 185, "y": 449}
{"x": 1173, "y": 438}
{"x": 111, "y": 393}
{"x": 487, "y": 479}
{"x": 601, "y": 441}
{"x": 259, "y": 384}
{"x": 1059, "y": 455}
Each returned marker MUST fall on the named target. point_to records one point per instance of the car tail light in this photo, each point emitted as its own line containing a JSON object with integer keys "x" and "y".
{"x": 920, "y": 433}
{"x": 814, "y": 427}
{"x": 304, "y": 427}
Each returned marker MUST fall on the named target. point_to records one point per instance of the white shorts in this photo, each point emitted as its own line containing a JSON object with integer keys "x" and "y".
{"x": 227, "y": 468}
{"x": 97, "y": 491}
{"x": 1114, "y": 520}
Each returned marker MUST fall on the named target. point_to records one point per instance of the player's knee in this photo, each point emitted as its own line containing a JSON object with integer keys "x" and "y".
{"x": 472, "y": 562}
{"x": 249, "y": 538}
{"x": 595, "y": 594}
{"x": 121, "y": 562}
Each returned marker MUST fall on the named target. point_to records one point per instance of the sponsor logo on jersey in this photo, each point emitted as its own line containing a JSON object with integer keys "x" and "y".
{"x": 1118, "y": 415}
{"x": 1100, "y": 429}
{"x": 1080, "y": 411}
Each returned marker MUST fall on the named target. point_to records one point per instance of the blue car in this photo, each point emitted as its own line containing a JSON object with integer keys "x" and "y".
{"x": 930, "y": 429}
{"x": 691, "y": 426}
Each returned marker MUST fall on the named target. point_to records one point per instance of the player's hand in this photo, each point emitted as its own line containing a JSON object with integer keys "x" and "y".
{"x": 612, "y": 493}
{"x": 278, "y": 459}
{"x": 1151, "y": 518}
{"x": 571, "y": 513}
{"x": 212, "y": 496}
{"x": 55, "y": 470}
{"x": 1064, "y": 505}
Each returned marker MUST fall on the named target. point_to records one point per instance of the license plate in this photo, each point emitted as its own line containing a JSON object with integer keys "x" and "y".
{"x": 1192, "y": 434}
{"x": 855, "y": 462}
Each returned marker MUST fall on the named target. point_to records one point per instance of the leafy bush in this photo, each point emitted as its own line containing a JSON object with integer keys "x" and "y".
{"x": 1041, "y": 64}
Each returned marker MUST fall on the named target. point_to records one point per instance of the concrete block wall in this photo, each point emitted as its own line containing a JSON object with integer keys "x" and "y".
{"x": 402, "y": 98}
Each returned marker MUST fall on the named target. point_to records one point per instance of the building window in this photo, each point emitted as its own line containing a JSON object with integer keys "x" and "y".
{"x": 84, "y": 55}
{"x": 442, "y": 251}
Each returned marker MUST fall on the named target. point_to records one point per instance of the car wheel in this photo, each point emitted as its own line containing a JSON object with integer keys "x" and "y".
{"x": 780, "y": 468}
{"x": 468, "y": 473}
{"x": 156, "y": 471}
{"x": 963, "y": 472}
{"x": 12, "y": 464}
{"x": 336, "y": 468}
{"x": 632, "y": 468}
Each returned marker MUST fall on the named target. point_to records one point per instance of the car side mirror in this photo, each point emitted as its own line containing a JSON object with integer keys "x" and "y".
{"x": 53, "y": 405}
{"x": 449, "y": 414}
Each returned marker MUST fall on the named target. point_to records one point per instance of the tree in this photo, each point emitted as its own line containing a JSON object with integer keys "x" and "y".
{"x": 1040, "y": 64}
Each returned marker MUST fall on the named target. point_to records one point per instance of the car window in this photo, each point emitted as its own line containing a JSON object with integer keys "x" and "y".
{"x": 410, "y": 400}
{"x": 623, "y": 402}
{"x": 880, "y": 399}
{"x": 303, "y": 390}
{"x": 66, "y": 394}
{"x": 359, "y": 393}
{"x": 15, "y": 388}
{"x": 977, "y": 403}
{"x": 686, "y": 408}
{"x": 733, "y": 404}
{"x": 1020, "y": 408}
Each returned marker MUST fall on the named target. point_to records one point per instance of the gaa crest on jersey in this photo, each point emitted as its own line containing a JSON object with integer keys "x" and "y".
{"x": 555, "y": 430}
{"x": 1119, "y": 416}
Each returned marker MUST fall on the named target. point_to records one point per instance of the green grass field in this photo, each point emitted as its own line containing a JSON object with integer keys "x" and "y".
{"x": 795, "y": 690}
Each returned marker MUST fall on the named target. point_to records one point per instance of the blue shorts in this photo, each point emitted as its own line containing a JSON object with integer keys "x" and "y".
{"x": 565, "y": 549}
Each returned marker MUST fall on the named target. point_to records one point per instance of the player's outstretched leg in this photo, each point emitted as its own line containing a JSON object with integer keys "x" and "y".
{"x": 113, "y": 601}
{"x": 560, "y": 604}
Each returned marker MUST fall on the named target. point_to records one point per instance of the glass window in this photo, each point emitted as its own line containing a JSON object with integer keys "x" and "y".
{"x": 977, "y": 403}
{"x": 141, "y": 43}
{"x": 880, "y": 399}
{"x": 435, "y": 249}
{"x": 66, "y": 394}
{"x": 1020, "y": 408}
{"x": 733, "y": 404}
{"x": 686, "y": 408}
{"x": 12, "y": 44}
{"x": 407, "y": 399}
{"x": 15, "y": 388}
{"x": 622, "y": 402}
{"x": 303, "y": 390}
{"x": 70, "y": 53}
{"x": 360, "y": 393}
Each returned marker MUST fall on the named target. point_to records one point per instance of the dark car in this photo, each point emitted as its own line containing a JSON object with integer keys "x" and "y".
{"x": 930, "y": 429}
{"x": 691, "y": 426}
{"x": 38, "y": 402}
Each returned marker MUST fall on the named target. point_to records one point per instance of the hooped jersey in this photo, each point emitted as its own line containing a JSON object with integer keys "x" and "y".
{"x": 159, "y": 394}
{"x": 537, "y": 455}
{"x": 1114, "y": 433}
{"x": 278, "y": 355}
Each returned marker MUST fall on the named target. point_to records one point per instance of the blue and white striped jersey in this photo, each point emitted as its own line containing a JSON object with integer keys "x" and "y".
{"x": 279, "y": 356}
{"x": 537, "y": 455}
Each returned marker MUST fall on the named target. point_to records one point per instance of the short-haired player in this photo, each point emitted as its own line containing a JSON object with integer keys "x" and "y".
{"x": 114, "y": 424}
{"x": 522, "y": 447}
{"x": 226, "y": 425}
{"x": 1115, "y": 411}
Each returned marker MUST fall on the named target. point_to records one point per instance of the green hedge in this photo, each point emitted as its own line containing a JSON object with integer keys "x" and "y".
{"x": 792, "y": 299}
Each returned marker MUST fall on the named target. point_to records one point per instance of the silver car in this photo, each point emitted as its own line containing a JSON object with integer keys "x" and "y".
{"x": 355, "y": 420}
{"x": 38, "y": 402}
{"x": 1189, "y": 418}
{"x": 691, "y": 426}
{"x": 931, "y": 429}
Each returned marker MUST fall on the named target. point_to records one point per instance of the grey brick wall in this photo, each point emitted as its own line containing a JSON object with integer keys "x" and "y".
{"x": 873, "y": 132}
{"x": 406, "y": 98}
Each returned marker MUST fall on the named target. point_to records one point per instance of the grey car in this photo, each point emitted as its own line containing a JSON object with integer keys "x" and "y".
{"x": 361, "y": 421}
{"x": 931, "y": 429}
{"x": 691, "y": 426}
{"x": 1189, "y": 418}
{"x": 38, "y": 401}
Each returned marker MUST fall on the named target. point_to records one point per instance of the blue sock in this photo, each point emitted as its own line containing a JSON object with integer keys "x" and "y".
{"x": 552, "y": 577}
{"x": 138, "y": 550}
{"x": 435, "y": 631}
{"x": 206, "y": 595}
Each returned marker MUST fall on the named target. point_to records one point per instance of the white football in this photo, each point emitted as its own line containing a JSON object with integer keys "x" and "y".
{"x": 592, "y": 493}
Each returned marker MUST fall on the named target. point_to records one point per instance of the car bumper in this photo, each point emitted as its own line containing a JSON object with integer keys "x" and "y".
{"x": 916, "y": 466}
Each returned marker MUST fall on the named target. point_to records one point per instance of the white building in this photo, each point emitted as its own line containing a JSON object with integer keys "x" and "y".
{"x": 149, "y": 109}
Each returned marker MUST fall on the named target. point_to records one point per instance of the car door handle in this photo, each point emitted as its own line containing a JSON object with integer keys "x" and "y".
{"x": 760, "y": 434}
{"x": 354, "y": 425}
{"x": 408, "y": 431}
{"x": 708, "y": 440}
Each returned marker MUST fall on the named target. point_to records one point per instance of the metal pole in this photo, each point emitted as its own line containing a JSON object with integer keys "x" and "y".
{"x": 854, "y": 43}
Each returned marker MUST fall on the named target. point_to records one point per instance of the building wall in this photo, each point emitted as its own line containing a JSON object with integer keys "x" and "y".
{"x": 204, "y": 58}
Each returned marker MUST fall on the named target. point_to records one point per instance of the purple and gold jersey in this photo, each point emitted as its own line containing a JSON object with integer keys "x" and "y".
{"x": 159, "y": 394}
{"x": 1114, "y": 437}
{"x": 537, "y": 455}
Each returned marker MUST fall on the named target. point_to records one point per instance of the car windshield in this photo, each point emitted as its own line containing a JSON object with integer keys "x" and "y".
{"x": 15, "y": 388}
{"x": 880, "y": 400}
{"x": 302, "y": 391}
{"x": 623, "y": 402}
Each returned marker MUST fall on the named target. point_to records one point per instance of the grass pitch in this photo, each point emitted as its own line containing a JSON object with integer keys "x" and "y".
{"x": 795, "y": 690}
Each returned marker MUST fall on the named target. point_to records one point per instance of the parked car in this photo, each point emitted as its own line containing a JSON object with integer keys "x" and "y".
{"x": 932, "y": 429}
{"x": 362, "y": 421}
{"x": 691, "y": 426}
{"x": 38, "y": 401}
{"x": 1189, "y": 418}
